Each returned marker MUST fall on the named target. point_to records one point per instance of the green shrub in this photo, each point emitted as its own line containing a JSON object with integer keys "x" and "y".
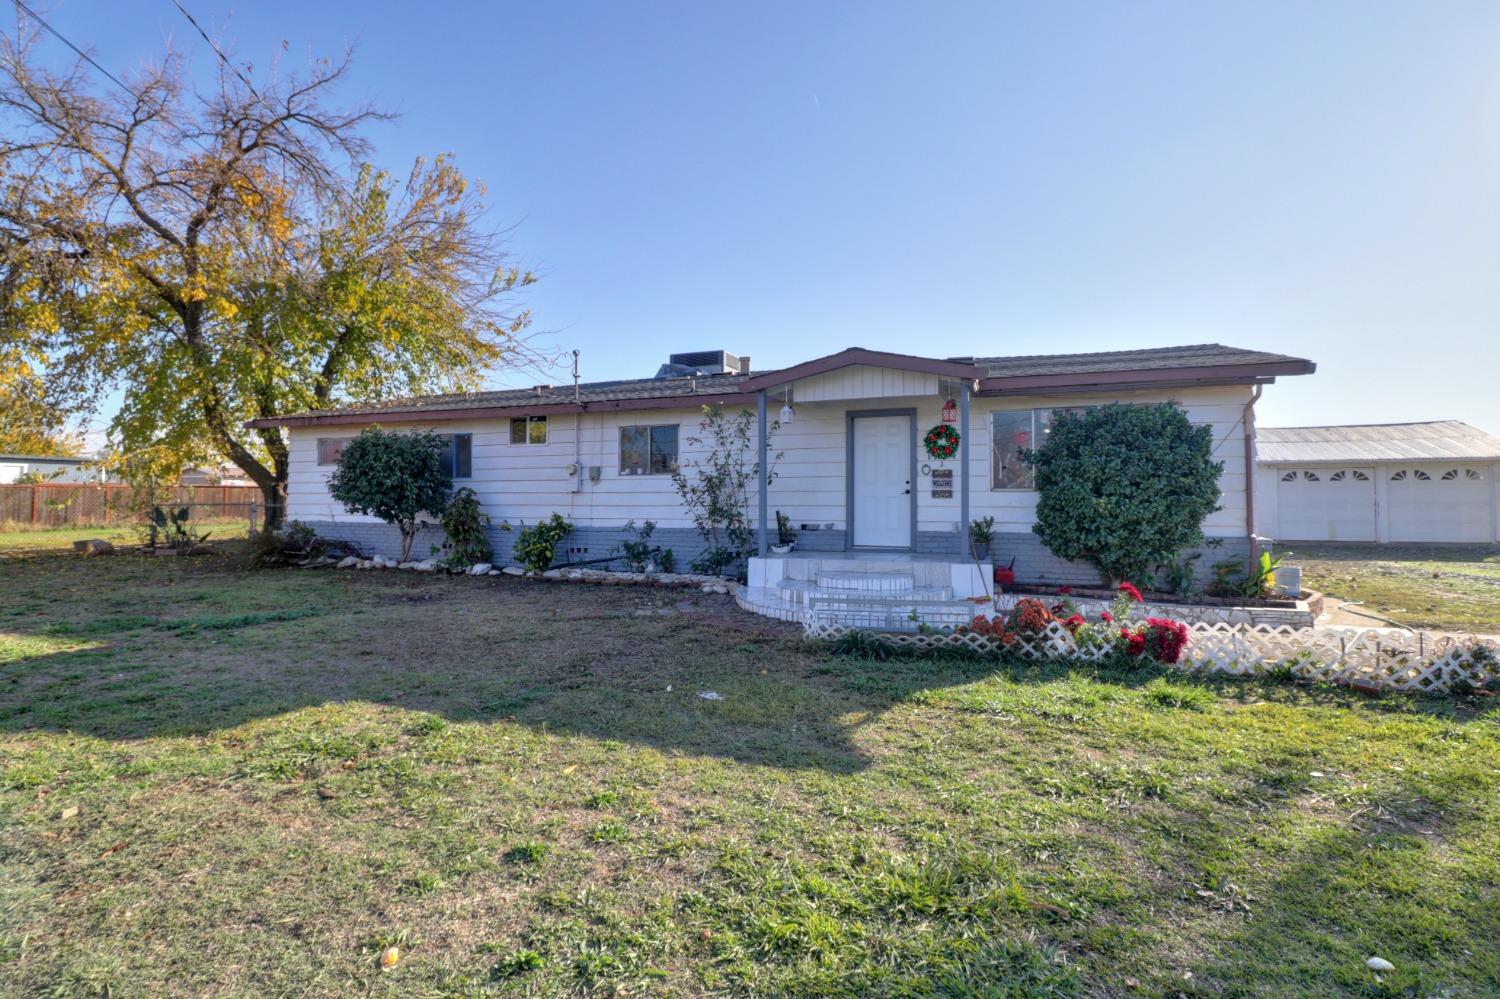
{"x": 1125, "y": 487}
{"x": 636, "y": 553}
{"x": 536, "y": 546}
{"x": 464, "y": 522}
{"x": 394, "y": 476}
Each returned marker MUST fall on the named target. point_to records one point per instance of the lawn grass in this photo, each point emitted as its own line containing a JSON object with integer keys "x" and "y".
{"x": 1437, "y": 587}
{"x": 278, "y": 774}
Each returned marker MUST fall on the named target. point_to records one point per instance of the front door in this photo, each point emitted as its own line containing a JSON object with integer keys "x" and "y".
{"x": 882, "y": 481}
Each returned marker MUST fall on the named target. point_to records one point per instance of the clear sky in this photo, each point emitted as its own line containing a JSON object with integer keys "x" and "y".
{"x": 787, "y": 179}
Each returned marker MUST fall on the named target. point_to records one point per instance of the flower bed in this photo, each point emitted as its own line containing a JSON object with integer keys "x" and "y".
{"x": 1301, "y": 613}
{"x": 1369, "y": 659}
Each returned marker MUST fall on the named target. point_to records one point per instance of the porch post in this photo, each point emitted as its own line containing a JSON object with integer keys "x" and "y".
{"x": 963, "y": 469}
{"x": 762, "y": 538}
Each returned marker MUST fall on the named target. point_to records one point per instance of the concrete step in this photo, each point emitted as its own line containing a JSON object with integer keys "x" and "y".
{"x": 799, "y": 591}
{"x": 872, "y": 583}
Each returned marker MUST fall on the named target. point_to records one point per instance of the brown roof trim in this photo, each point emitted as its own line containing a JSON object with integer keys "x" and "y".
{"x": 859, "y": 355}
{"x": 492, "y": 412}
{"x": 1214, "y": 374}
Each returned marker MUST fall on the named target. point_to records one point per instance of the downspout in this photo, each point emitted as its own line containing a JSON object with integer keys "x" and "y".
{"x": 577, "y": 434}
{"x": 1249, "y": 422}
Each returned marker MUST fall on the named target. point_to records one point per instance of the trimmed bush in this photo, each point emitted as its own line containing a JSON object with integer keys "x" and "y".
{"x": 394, "y": 476}
{"x": 1125, "y": 487}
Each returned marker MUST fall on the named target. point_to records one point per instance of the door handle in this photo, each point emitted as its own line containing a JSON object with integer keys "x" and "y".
{"x": 906, "y": 492}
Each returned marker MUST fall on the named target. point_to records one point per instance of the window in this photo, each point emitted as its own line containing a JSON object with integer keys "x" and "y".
{"x": 1337, "y": 476}
{"x": 1421, "y": 476}
{"x": 1360, "y": 476}
{"x": 648, "y": 450}
{"x": 458, "y": 458}
{"x": 528, "y": 430}
{"x": 330, "y": 448}
{"x": 1310, "y": 476}
{"x": 1013, "y": 431}
{"x": 1472, "y": 475}
{"x": 1288, "y": 476}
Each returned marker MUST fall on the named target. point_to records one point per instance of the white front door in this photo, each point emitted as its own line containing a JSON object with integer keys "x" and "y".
{"x": 882, "y": 481}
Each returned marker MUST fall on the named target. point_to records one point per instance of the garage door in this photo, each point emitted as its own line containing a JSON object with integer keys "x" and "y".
{"x": 1435, "y": 503}
{"x": 1326, "y": 504}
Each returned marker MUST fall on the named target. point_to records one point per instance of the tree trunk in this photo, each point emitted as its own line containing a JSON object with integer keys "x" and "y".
{"x": 273, "y": 499}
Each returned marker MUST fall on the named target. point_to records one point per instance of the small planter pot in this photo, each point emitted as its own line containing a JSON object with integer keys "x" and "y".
{"x": 981, "y": 551}
{"x": 783, "y": 549}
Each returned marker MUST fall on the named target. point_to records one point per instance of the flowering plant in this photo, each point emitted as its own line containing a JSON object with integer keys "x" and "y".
{"x": 941, "y": 442}
{"x": 1129, "y": 589}
{"x": 1030, "y": 616}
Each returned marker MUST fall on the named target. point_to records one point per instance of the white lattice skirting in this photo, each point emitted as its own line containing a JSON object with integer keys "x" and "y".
{"x": 1379, "y": 658}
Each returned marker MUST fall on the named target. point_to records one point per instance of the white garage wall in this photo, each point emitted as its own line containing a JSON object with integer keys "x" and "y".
{"x": 1459, "y": 509}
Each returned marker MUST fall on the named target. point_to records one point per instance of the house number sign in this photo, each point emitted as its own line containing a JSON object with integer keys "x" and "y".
{"x": 942, "y": 483}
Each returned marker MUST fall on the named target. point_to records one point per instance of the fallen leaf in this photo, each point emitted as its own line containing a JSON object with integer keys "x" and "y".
{"x": 389, "y": 957}
{"x": 568, "y": 770}
{"x": 69, "y": 812}
{"x": 114, "y": 849}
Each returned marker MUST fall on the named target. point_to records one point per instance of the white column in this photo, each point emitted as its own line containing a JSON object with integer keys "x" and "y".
{"x": 762, "y": 537}
{"x": 963, "y": 469}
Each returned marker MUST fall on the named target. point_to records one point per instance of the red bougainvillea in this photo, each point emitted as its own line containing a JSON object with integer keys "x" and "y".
{"x": 1135, "y": 642}
{"x": 1073, "y": 623}
{"x": 1165, "y": 639}
{"x": 1130, "y": 591}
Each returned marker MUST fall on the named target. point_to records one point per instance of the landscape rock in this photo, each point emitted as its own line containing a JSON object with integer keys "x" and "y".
{"x": 426, "y": 565}
{"x": 348, "y": 562}
{"x": 493, "y": 572}
{"x": 201, "y": 549}
{"x": 93, "y": 546}
{"x": 480, "y": 569}
{"x": 406, "y": 565}
{"x": 513, "y": 570}
{"x": 553, "y": 574}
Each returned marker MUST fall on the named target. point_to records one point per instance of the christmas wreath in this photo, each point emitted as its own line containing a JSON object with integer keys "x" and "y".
{"x": 941, "y": 442}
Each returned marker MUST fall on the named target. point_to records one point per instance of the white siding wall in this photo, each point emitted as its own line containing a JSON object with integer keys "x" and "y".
{"x": 528, "y": 482}
{"x": 1222, "y": 408}
{"x": 862, "y": 381}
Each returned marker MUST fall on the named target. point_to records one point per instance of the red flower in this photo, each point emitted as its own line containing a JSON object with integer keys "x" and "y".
{"x": 1130, "y": 591}
{"x": 1107, "y": 617}
{"x": 1065, "y": 591}
{"x": 1059, "y": 608}
{"x": 1030, "y": 616}
{"x": 1074, "y": 623}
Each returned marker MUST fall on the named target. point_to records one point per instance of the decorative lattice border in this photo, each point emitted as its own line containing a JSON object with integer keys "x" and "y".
{"x": 1376, "y": 658}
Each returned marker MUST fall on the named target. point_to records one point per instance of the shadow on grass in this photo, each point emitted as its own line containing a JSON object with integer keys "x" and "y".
{"x": 1387, "y": 878}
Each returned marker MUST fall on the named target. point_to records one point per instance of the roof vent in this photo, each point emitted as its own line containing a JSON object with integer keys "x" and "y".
{"x": 704, "y": 362}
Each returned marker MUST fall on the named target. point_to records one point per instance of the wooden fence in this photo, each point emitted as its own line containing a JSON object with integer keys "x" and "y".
{"x": 58, "y": 504}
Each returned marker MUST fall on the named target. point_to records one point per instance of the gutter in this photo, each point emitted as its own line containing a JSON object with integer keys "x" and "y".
{"x": 1249, "y": 424}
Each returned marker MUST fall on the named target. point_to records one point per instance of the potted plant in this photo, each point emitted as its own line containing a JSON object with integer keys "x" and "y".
{"x": 786, "y": 538}
{"x": 981, "y": 533}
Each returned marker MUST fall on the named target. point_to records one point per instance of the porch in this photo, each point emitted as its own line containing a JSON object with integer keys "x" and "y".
{"x": 876, "y": 590}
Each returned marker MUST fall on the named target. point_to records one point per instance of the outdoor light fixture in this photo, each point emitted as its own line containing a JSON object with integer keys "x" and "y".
{"x": 786, "y": 414}
{"x": 950, "y": 412}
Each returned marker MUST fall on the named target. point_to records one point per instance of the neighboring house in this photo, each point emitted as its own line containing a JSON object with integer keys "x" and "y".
{"x": 853, "y": 479}
{"x": 1383, "y": 482}
{"x": 224, "y": 474}
{"x": 50, "y": 468}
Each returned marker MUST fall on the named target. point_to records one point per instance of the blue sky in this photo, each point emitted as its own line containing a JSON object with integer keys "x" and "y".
{"x": 787, "y": 179}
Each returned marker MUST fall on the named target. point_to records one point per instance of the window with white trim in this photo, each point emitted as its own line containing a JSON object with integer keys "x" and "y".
{"x": 458, "y": 457}
{"x": 648, "y": 450}
{"x": 1013, "y": 431}
{"x": 528, "y": 430}
{"x": 330, "y": 449}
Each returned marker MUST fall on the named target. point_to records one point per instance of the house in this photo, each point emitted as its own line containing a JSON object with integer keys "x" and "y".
{"x": 853, "y": 478}
{"x": 1384, "y": 482}
{"x": 49, "y": 468}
